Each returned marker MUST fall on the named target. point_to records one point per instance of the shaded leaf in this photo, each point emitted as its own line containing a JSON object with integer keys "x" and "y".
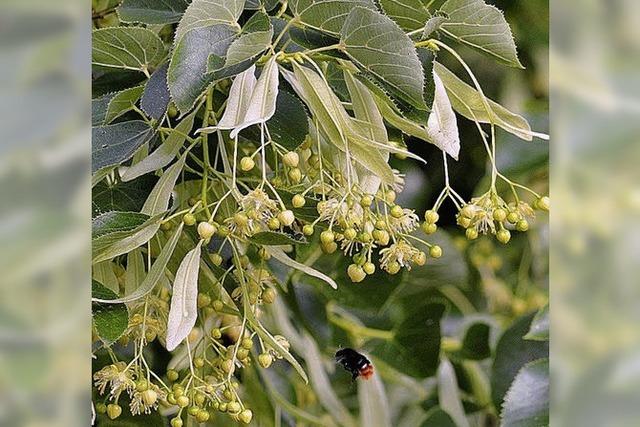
{"x": 110, "y": 245}
{"x": 408, "y": 14}
{"x": 121, "y": 196}
{"x": 113, "y": 222}
{"x": 165, "y": 153}
{"x": 156, "y": 97}
{"x": 438, "y": 418}
{"x": 539, "y": 330}
{"x": 475, "y": 344}
{"x": 184, "y": 307}
{"x": 376, "y": 44}
{"x": 129, "y": 48}
{"x": 135, "y": 271}
{"x": 152, "y": 11}
{"x": 527, "y": 401}
{"x": 110, "y": 321}
{"x": 512, "y": 352}
{"x": 442, "y": 125}
{"x": 122, "y": 102}
{"x": 272, "y": 238}
{"x": 289, "y": 125}
{"x": 481, "y": 26}
{"x": 114, "y": 144}
{"x": 187, "y": 75}
{"x": 326, "y": 15}
{"x": 467, "y": 101}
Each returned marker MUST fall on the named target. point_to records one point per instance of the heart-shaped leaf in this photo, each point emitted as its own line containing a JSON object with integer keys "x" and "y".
{"x": 326, "y": 15}
{"x": 152, "y": 12}
{"x": 128, "y": 48}
{"x": 114, "y": 144}
{"x": 206, "y": 13}
{"x": 409, "y": 14}
{"x": 272, "y": 238}
{"x": 121, "y": 103}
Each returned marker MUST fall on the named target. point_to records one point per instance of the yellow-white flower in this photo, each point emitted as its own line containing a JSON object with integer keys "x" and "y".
{"x": 401, "y": 252}
{"x": 117, "y": 377}
{"x": 406, "y": 223}
{"x": 146, "y": 401}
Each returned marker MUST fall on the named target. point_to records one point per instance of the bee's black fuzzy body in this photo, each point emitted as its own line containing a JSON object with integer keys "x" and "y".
{"x": 354, "y": 362}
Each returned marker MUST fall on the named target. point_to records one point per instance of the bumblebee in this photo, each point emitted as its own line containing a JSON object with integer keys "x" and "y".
{"x": 354, "y": 362}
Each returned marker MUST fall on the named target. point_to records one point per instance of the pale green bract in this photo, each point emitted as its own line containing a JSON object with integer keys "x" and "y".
{"x": 442, "y": 125}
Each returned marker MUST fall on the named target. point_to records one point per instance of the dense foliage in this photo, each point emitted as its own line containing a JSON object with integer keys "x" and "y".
{"x": 248, "y": 207}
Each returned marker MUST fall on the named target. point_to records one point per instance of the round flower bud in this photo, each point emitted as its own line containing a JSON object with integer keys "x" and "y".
{"x": 471, "y": 233}
{"x": 380, "y": 224}
{"x": 241, "y": 219}
{"x": 381, "y": 236}
{"x": 397, "y": 211}
{"x": 273, "y": 223}
{"x": 166, "y": 226}
{"x": 503, "y": 236}
{"x": 467, "y": 211}
{"x": 216, "y": 333}
{"x": 499, "y": 214}
{"x": 198, "y": 362}
{"x": 202, "y": 416}
{"x": 114, "y": 411}
{"x": 227, "y": 366}
{"x": 298, "y": 201}
{"x": 365, "y": 237}
{"x": 246, "y": 416}
{"x": 142, "y": 385}
{"x": 435, "y": 251}
{"x": 176, "y": 422}
{"x": 243, "y": 352}
{"x": 203, "y": 300}
{"x": 513, "y": 217}
{"x": 522, "y": 225}
{"x": 247, "y": 343}
{"x": 101, "y": 408}
{"x": 390, "y": 196}
{"x": 263, "y": 254}
{"x": 295, "y": 175}
{"x": 189, "y": 219}
{"x": 393, "y": 267}
{"x": 464, "y": 221}
{"x": 420, "y": 258}
{"x": 286, "y": 217}
{"x": 172, "y": 375}
{"x": 431, "y": 216}
{"x": 327, "y": 236}
{"x": 265, "y": 360}
{"x": 543, "y": 203}
{"x": 206, "y": 230}
{"x": 222, "y": 407}
{"x": 182, "y": 401}
{"x": 269, "y": 295}
{"x": 356, "y": 273}
{"x": 307, "y": 230}
{"x": 149, "y": 397}
{"x": 330, "y": 247}
{"x": 193, "y": 411}
{"x": 350, "y": 233}
{"x": 369, "y": 268}
{"x": 216, "y": 259}
{"x": 217, "y": 305}
{"x": 247, "y": 163}
{"x": 199, "y": 399}
{"x": 366, "y": 201}
{"x": 233, "y": 407}
{"x": 291, "y": 159}
{"x": 429, "y": 228}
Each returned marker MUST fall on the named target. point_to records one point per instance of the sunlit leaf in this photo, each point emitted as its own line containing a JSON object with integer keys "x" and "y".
{"x": 128, "y": 48}
{"x": 110, "y": 321}
{"x": 152, "y": 11}
{"x": 326, "y": 15}
{"x": 527, "y": 401}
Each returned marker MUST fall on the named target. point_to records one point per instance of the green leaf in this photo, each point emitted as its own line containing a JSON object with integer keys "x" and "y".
{"x": 158, "y": 200}
{"x": 415, "y": 347}
{"x": 289, "y": 124}
{"x": 129, "y": 48}
{"x": 442, "y": 125}
{"x": 273, "y": 238}
{"x": 481, "y": 26}
{"x": 152, "y": 12}
{"x": 165, "y": 153}
{"x": 114, "y": 222}
{"x": 244, "y": 51}
{"x": 539, "y": 330}
{"x": 110, "y": 321}
{"x": 326, "y": 15}
{"x": 376, "y": 44}
{"x": 187, "y": 76}
{"x": 184, "y": 307}
{"x": 114, "y": 144}
{"x": 122, "y": 102}
{"x": 433, "y": 24}
{"x": 103, "y": 273}
{"x": 155, "y": 272}
{"x": 156, "y": 96}
{"x": 475, "y": 344}
{"x": 512, "y": 353}
{"x": 99, "y": 108}
{"x": 468, "y": 102}
{"x": 527, "y": 401}
{"x": 207, "y": 13}
{"x": 121, "y": 196}
{"x": 110, "y": 245}
{"x": 449, "y": 395}
{"x": 409, "y": 14}
{"x": 438, "y": 418}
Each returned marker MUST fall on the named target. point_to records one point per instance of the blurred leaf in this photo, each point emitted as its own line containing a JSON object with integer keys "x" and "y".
{"x": 449, "y": 395}
{"x": 152, "y": 12}
{"x": 326, "y": 15}
{"x": 110, "y": 321}
{"x": 128, "y": 48}
{"x": 527, "y": 401}
{"x": 113, "y": 144}
{"x": 513, "y": 352}
{"x": 481, "y": 26}
{"x": 475, "y": 345}
{"x": 375, "y": 43}
{"x": 272, "y": 238}
{"x": 539, "y": 330}
{"x": 373, "y": 402}
{"x": 156, "y": 97}
{"x": 438, "y": 418}
{"x": 415, "y": 346}
{"x": 184, "y": 308}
